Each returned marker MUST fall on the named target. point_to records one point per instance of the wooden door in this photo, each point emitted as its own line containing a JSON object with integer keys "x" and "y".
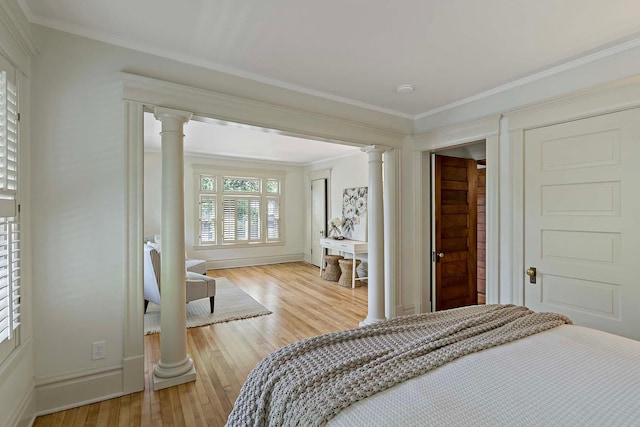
{"x": 582, "y": 221}
{"x": 318, "y": 218}
{"x": 455, "y": 232}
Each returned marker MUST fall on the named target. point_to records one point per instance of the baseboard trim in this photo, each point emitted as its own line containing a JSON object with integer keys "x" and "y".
{"x": 24, "y": 415}
{"x": 133, "y": 374}
{"x": 17, "y": 369}
{"x": 75, "y": 389}
{"x": 252, "y": 261}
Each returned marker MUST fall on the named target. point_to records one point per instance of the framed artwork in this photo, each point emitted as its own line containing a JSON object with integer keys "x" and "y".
{"x": 354, "y": 213}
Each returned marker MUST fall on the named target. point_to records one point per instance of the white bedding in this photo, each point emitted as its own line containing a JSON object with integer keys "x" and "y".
{"x": 565, "y": 376}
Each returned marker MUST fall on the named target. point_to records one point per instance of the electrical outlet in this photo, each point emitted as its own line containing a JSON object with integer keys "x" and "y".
{"x": 99, "y": 350}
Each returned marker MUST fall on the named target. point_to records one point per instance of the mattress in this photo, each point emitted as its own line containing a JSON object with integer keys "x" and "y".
{"x": 566, "y": 376}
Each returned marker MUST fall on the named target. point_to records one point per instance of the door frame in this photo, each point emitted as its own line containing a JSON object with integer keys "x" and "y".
{"x": 604, "y": 99}
{"x": 434, "y": 261}
{"x": 312, "y": 176}
{"x": 489, "y": 129}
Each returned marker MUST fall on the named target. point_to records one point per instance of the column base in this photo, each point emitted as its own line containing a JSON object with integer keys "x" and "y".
{"x": 170, "y": 374}
{"x": 160, "y": 383}
{"x": 370, "y": 321}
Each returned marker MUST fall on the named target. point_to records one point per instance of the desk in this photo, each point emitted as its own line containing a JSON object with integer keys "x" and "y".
{"x": 352, "y": 247}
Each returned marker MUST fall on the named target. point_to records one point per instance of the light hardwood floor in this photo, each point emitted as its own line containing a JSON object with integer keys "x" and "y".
{"x": 303, "y": 305}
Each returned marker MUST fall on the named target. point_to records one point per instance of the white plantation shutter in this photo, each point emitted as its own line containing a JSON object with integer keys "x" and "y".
{"x": 9, "y": 220}
{"x": 254, "y": 220}
{"x": 207, "y": 219}
{"x": 242, "y": 216}
{"x": 8, "y": 146}
{"x": 273, "y": 219}
{"x": 9, "y": 278}
{"x": 241, "y": 219}
{"x": 229, "y": 220}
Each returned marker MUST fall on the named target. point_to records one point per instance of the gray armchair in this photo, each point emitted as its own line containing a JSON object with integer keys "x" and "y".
{"x": 198, "y": 285}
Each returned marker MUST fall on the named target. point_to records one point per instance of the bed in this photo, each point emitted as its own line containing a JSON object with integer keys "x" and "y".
{"x": 483, "y": 365}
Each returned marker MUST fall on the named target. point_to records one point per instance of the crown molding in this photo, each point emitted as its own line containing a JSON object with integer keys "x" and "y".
{"x": 331, "y": 159}
{"x": 566, "y": 66}
{"x": 13, "y": 17}
{"x": 601, "y": 99}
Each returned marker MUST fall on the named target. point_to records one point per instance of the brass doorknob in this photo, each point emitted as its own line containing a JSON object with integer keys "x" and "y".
{"x": 531, "y": 272}
{"x": 440, "y": 254}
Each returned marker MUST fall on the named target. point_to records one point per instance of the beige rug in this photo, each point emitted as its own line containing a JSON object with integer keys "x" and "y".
{"x": 232, "y": 303}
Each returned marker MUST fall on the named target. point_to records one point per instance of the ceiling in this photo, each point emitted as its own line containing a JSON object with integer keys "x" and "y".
{"x": 359, "y": 51}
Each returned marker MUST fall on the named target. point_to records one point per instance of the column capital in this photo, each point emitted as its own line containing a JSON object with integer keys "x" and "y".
{"x": 376, "y": 149}
{"x": 162, "y": 113}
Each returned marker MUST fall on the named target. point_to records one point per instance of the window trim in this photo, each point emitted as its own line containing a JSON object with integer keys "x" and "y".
{"x": 220, "y": 173}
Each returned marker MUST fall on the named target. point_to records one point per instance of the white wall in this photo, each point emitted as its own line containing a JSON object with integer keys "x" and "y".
{"x": 293, "y": 216}
{"x": 79, "y": 181}
{"x": 346, "y": 172}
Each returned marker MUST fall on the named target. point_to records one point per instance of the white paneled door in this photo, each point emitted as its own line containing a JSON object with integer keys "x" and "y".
{"x": 582, "y": 221}
{"x": 318, "y": 218}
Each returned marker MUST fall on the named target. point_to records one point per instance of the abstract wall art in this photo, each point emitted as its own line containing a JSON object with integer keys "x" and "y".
{"x": 354, "y": 213}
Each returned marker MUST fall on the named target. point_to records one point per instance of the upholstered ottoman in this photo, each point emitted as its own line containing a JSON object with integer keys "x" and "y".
{"x": 346, "y": 265}
{"x": 196, "y": 265}
{"x": 201, "y": 286}
{"x": 332, "y": 271}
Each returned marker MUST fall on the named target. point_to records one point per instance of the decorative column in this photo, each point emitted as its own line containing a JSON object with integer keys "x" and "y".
{"x": 392, "y": 213}
{"x": 175, "y": 366}
{"x": 376, "y": 236}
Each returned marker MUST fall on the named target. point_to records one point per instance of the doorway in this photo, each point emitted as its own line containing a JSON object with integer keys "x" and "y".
{"x": 318, "y": 218}
{"x": 141, "y": 94}
{"x": 458, "y": 247}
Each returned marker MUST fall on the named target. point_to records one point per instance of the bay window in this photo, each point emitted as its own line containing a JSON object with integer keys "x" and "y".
{"x": 237, "y": 209}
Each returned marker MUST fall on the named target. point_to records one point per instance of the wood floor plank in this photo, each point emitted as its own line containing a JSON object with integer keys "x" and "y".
{"x": 104, "y": 411}
{"x": 92, "y": 414}
{"x": 125, "y": 410}
{"x": 113, "y": 416}
{"x": 81, "y": 416}
{"x": 135, "y": 410}
{"x": 303, "y": 305}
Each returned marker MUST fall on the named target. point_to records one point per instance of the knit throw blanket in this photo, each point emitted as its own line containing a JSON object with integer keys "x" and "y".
{"x": 309, "y": 382}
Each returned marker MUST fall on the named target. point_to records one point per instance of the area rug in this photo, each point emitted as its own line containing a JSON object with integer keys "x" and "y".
{"x": 232, "y": 303}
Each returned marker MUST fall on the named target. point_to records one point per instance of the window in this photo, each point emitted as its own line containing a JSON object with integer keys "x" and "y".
{"x": 9, "y": 219}
{"x": 207, "y": 209}
{"x": 239, "y": 210}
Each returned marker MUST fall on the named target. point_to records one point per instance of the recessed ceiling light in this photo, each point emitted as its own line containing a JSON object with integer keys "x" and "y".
{"x": 405, "y": 88}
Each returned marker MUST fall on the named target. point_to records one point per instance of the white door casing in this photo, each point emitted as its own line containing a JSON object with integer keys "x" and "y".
{"x": 318, "y": 218}
{"x": 582, "y": 220}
